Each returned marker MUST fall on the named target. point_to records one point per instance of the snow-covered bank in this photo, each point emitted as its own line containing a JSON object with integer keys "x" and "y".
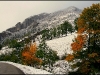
{"x": 28, "y": 69}
{"x": 6, "y": 50}
{"x": 62, "y": 45}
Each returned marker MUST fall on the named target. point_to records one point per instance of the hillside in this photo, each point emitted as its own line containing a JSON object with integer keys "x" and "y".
{"x": 53, "y": 34}
{"x": 39, "y": 22}
{"x": 62, "y": 42}
{"x": 62, "y": 45}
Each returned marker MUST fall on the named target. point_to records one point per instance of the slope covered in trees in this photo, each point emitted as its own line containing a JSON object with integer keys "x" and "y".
{"x": 56, "y": 32}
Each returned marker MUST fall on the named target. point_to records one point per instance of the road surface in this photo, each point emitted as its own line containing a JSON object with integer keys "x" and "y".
{"x": 6, "y": 68}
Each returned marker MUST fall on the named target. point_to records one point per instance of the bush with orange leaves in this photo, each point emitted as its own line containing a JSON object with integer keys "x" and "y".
{"x": 28, "y": 55}
{"x": 69, "y": 57}
{"x": 79, "y": 42}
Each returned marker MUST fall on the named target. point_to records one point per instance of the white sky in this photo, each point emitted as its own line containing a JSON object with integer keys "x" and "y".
{"x": 12, "y": 12}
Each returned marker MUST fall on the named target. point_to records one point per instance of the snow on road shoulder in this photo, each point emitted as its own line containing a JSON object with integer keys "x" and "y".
{"x": 28, "y": 69}
{"x": 62, "y": 45}
{"x": 6, "y": 51}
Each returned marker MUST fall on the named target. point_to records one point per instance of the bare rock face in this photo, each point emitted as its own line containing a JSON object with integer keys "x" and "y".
{"x": 19, "y": 27}
{"x": 16, "y": 28}
{"x": 4, "y": 34}
{"x": 36, "y": 23}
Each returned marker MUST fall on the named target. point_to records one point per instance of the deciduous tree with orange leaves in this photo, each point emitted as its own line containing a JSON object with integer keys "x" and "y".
{"x": 79, "y": 43}
{"x": 69, "y": 57}
{"x": 86, "y": 45}
{"x": 28, "y": 55}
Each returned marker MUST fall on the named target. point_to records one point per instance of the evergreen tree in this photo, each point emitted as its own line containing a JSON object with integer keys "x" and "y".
{"x": 54, "y": 32}
{"x": 46, "y": 34}
{"x": 66, "y": 27}
{"x": 62, "y": 29}
{"x": 47, "y": 55}
{"x": 70, "y": 28}
{"x": 75, "y": 22}
{"x": 0, "y": 46}
{"x": 58, "y": 31}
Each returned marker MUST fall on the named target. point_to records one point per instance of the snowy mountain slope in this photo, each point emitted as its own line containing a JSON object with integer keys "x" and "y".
{"x": 45, "y": 20}
{"x": 28, "y": 69}
{"x": 59, "y": 17}
{"x": 62, "y": 45}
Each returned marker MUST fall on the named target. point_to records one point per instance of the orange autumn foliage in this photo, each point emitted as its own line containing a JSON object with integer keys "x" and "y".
{"x": 81, "y": 30}
{"x": 69, "y": 57}
{"x": 86, "y": 45}
{"x": 78, "y": 44}
{"x": 28, "y": 55}
{"x": 33, "y": 48}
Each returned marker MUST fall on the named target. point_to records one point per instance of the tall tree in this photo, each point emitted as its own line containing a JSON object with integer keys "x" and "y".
{"x": 86, "y": 46}
{"x": 75, "y": 22}
{"x": 46, "y": 54}
{"x": 0, "y": 46}
{"x": 54, "y": 32}
{"x": 58, "y": 31}
{"x": 66, "y": 27}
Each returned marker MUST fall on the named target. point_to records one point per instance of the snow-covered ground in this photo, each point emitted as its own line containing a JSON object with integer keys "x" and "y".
{"x": 62, "y": 45}
{"x": 6, "y": 50}
{"x": 28, "y": 69}
{"x": 61, "y": 67}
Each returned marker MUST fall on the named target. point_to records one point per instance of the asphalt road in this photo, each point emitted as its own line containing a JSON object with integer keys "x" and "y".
{"x": 6, "y": 68}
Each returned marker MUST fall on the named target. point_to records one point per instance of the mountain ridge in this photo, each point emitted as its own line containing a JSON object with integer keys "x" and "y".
{"x": 41, "y": 21}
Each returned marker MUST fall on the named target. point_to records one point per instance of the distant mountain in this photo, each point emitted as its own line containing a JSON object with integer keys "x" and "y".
{"x": 39, "y": 22}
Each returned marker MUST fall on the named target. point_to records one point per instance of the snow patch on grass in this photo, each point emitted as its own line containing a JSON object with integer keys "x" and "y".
{"x": 62, "y": 45}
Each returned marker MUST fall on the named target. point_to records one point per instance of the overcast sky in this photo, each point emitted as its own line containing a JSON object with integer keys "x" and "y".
{"x": 12, "y": 12}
